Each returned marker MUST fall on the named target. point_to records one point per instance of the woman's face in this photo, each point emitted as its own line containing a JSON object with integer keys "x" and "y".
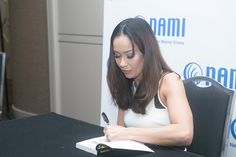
{"x": 128, "y": 60}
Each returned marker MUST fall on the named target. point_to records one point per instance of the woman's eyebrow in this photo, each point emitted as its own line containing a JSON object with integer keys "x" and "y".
{"x": 127, "y": 51}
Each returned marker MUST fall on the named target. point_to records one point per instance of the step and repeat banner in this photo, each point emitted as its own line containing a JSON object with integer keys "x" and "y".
{"x": 197, "y": 38}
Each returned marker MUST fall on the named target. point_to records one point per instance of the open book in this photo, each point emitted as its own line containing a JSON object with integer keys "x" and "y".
{"x": 100, "y": 145}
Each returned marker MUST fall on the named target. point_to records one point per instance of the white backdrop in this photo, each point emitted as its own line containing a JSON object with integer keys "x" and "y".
{"x": 195, "y": 37}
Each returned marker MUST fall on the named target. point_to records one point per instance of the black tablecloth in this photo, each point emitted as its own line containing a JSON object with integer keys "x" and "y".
{"x": 54, "y": 135}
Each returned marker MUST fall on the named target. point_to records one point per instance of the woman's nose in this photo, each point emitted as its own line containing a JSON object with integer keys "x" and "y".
{"x": 123, "y": 62}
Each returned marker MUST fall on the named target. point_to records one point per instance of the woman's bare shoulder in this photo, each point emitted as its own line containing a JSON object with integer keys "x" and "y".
{"x": 170, "y": 77}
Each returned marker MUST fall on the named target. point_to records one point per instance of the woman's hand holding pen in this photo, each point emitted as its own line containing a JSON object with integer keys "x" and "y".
{"x": 114, "y": 132}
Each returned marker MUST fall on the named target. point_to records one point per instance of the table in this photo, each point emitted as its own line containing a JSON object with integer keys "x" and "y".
{"x": 51, "y": 134}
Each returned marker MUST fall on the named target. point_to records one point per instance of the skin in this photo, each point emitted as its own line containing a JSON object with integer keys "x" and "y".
{"x": 180, "y": 130}
{"x": 130, "y": 63}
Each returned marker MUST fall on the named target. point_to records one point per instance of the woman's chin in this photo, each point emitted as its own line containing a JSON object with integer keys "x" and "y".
{"x": 128, "y": 76}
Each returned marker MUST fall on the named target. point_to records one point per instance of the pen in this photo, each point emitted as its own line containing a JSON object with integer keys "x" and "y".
{"x": 104, "y": 116}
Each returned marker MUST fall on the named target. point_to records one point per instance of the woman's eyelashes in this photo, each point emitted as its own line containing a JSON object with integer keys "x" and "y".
{"x": 128, "y": 55}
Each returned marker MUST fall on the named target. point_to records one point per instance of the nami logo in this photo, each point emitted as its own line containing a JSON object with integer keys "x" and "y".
{"x": 233, "y": 133}
{"x": 174, "y": 27}
{"x": 192, "y": 69}
{"x": 169, "y": 30}
{"x": 225, "y": 76}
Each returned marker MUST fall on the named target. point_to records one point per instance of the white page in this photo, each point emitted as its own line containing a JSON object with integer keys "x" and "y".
{"x": 90, "y": 145}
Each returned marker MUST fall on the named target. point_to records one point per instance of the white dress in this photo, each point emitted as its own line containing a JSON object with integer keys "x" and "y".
{"x": 154, "y": 117}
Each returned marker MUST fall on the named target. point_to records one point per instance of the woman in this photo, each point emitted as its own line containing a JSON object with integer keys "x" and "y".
{"x": 152, "y": 104}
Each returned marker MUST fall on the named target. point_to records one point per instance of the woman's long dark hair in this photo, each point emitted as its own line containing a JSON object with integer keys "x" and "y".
{"x": 140, "y": 33}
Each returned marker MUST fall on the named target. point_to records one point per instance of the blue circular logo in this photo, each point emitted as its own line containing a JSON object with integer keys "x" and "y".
{"x": 233, "y": 128}
{"x": 192, "y": 69}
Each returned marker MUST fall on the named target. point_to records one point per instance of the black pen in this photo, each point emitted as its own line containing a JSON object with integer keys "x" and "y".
{"x": 105, "y": 118}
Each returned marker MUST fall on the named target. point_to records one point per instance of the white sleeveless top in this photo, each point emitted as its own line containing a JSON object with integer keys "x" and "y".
{"x": 154, "y": 117}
